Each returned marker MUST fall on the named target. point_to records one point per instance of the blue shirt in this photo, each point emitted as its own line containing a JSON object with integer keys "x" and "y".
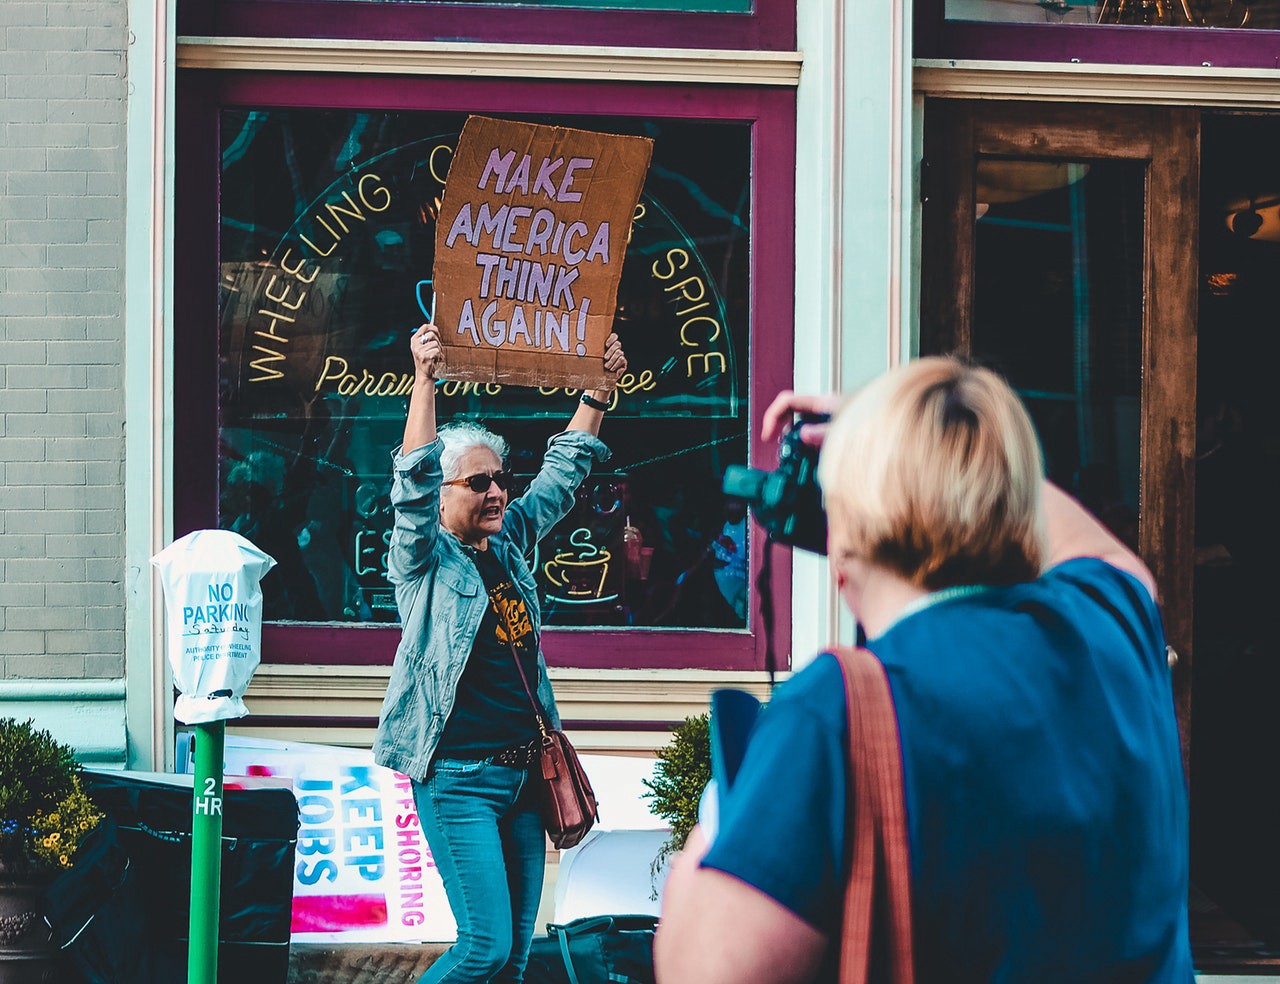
{"x": 1046, "y": 804}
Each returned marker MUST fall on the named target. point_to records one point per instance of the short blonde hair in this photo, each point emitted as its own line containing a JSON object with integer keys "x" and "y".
{"x": 933, "y": 471}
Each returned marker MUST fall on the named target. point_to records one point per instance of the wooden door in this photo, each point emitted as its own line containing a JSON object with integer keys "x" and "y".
{"x": 1060, "y": 244}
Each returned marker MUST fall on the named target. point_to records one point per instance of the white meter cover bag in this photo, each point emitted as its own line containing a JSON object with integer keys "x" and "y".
{"x": 214, "y": 602}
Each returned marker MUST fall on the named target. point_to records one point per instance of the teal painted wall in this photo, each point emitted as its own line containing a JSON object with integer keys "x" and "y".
{"x": 855, "y": 215}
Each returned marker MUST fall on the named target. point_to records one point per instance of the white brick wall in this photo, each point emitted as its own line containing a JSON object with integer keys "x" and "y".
{"x": 62, "y": 139}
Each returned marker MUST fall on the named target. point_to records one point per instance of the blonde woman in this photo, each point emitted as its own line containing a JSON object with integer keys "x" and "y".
{"x": 1046, "y": 807}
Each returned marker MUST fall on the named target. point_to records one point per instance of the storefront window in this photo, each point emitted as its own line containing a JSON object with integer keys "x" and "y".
{"x": 1058, "y": 309}
{"x": 1099, "y": 32}
{"x": 1264, "y": 15}
{"x": 326, "y": 245}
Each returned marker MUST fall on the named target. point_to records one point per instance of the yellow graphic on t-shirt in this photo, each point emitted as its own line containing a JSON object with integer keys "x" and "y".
{"x": 514, "y": 625}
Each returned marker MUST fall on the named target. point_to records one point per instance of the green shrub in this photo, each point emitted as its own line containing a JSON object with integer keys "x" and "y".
{"x": 40, "y": 796}
{"x": 681, "y": 773}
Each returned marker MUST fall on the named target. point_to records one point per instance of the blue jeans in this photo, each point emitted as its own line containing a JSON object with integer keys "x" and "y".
{"x": 482, "y": 824}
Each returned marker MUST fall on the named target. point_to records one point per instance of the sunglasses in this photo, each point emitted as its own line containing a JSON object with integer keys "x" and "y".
{"x": 480, "y": 483}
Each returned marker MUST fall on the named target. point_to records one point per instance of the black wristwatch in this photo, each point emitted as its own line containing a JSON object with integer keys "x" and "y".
{"x": 593, "y": 403}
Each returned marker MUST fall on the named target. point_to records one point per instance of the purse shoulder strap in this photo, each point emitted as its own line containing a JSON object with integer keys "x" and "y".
{"x": 877, "y": 903}
{"x": 533, "y": 701}
{"x": 538, "y": 713}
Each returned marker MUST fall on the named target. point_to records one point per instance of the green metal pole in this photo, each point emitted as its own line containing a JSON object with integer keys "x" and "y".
{"x": 206, "y": 854}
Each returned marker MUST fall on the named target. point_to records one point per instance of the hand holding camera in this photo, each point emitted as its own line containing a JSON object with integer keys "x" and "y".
{"x": 820, "y": 408}
{"x": 787, "y": 501}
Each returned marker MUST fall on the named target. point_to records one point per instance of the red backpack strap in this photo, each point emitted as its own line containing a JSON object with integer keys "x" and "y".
{"x": 876, "y": 936}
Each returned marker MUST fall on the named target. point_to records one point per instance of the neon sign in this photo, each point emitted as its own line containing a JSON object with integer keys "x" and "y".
{"x": 577, "y": 577}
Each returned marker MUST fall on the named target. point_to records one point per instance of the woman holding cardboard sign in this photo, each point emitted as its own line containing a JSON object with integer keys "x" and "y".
{"x": 456, "y": 718}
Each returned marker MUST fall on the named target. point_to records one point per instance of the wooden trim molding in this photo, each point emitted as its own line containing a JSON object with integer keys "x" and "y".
{"x": 515, "y": 61}
{"x": 87, "y": 714}
{"x": 59, "y": 689}
{"x": 1163, "y": 85}
{"x": 1169, "y": 378}
{"x": 616, "y": 711}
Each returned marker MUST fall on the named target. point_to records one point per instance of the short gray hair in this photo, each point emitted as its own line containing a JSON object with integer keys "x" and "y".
{"x": 459, "y": 437}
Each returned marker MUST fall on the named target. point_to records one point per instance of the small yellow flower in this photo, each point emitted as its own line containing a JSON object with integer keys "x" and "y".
{"x": 63, "y": 858}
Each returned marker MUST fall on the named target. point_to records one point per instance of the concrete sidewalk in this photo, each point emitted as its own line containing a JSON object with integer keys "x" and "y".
{"x": 392, "y": 963}
{"x": 361, "y": 963}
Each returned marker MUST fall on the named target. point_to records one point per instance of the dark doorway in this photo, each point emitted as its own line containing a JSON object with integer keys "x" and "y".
{"x": 1235, "y": 746}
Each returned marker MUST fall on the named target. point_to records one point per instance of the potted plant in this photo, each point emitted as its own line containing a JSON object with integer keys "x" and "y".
{"x": 679, "y": 776}
{"x": 44, "y": 815}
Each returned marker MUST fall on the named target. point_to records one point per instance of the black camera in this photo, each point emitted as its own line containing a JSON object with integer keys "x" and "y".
{"x": 787, "y": 501}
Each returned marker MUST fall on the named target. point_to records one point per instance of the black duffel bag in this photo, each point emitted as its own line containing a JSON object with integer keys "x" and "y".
{"x": 122, "y": 913}
{"x": 594, "y": 950}
{"x": 93, "y": 911}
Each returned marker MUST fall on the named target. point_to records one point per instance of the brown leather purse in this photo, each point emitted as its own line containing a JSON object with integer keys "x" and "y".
{"x": 875, "y": 942}
{"x": 569, "y": 807}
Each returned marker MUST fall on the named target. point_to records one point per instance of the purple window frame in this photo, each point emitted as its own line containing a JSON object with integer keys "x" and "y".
{"x": 770, "y": 111}
{"x": 1098, "y": 44}
{"x": 770, "y": 26}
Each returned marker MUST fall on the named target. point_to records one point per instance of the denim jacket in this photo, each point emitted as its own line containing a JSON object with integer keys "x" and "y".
{"x": 442, "y": 599}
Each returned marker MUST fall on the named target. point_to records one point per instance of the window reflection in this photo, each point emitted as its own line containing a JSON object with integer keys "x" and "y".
{"x": 1058, "y": 310}
{"x": 327, "y": 234}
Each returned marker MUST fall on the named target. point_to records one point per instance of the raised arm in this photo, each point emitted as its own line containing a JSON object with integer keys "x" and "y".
{"x": 586, "y": 417}
{"x": 416, "y": 477}
{"x": 1071, "y": 531}
{"x": 420, "y": 424}
{"x": 567, "y": 462}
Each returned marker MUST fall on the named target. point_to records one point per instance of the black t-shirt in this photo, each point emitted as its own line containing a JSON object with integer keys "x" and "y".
{"x": 492, "y": 711}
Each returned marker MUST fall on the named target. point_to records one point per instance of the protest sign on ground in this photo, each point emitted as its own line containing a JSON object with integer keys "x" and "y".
{"x": 363, "y": 871}
{"x": 529, "y": 249}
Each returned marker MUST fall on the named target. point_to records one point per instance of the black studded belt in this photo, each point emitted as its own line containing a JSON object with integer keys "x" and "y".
{"x": 519, "y": 756}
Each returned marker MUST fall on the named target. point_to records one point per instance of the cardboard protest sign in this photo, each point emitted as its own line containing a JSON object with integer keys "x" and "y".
{"x": 363, "y": 871}
{"x": 529, "y": 249}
